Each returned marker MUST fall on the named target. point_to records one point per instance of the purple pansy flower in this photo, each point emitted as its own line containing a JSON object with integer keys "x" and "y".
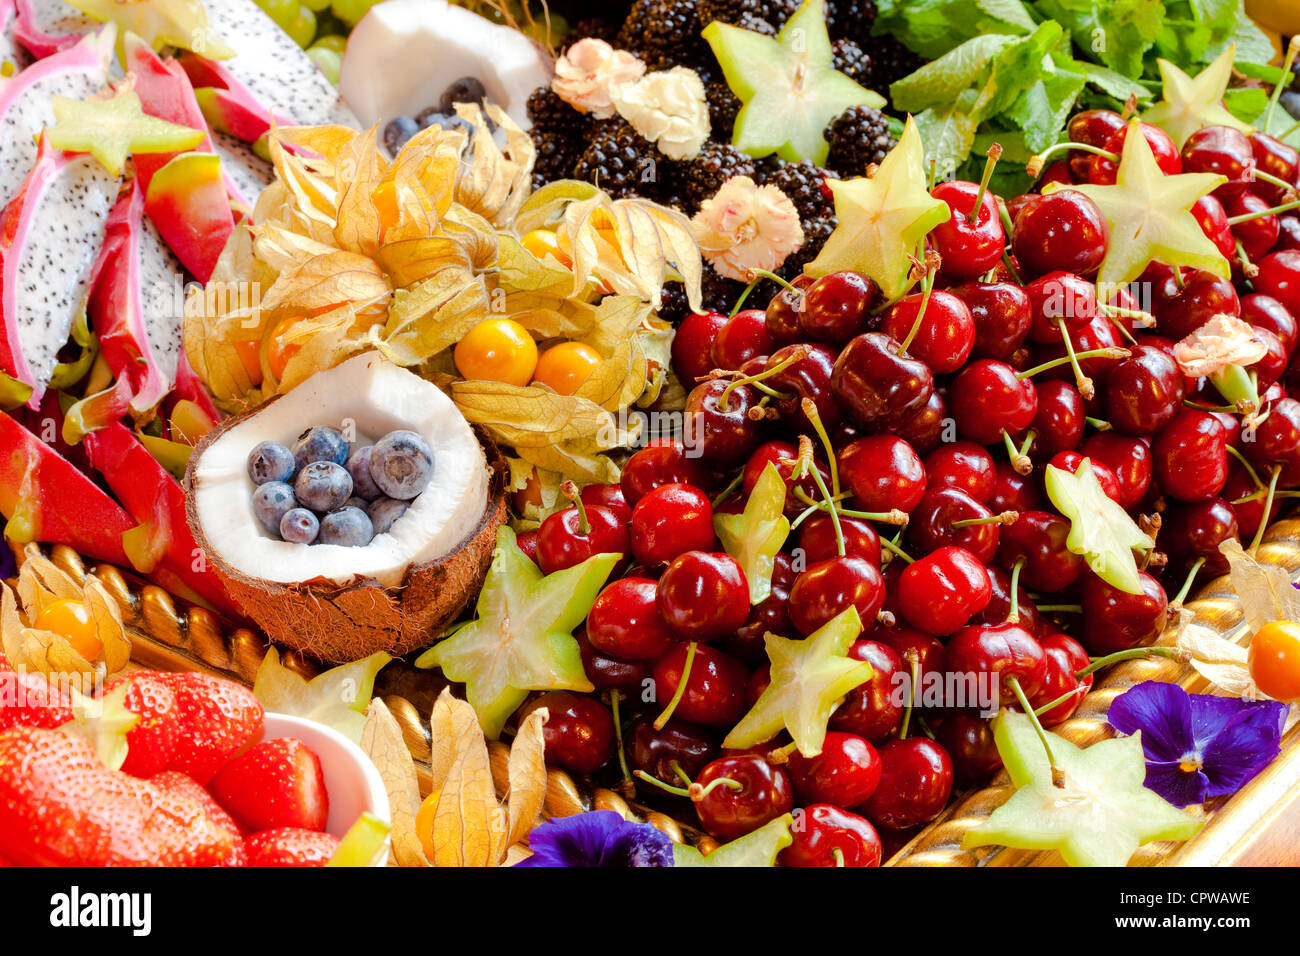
{"x": 1197, "y": 745}
{"x": 8, "y": 566}
{"x": 598, "y": 838}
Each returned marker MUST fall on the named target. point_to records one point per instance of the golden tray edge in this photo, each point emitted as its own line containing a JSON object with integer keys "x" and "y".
{"x": 1258, "y": 826}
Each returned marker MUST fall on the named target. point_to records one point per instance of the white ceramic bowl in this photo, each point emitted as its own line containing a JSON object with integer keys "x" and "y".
{"x": 351, "y": 780}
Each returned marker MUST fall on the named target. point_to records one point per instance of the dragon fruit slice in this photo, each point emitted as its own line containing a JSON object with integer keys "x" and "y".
{"x": 188, "y": 202}
{"x": 270, "y": 71}
{"x": 50, "y": 238}
{"x": 247, "y": 174}
{"x": 13, "y": 56}
{"x": 45, "y": 27}
{"x": 138, "y": 305}
{"x": 25, "y": 107}
{"x": 46, "y": 499}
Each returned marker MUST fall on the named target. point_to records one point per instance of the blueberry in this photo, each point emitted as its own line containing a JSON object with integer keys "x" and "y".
{"x": 299, "y": 526}
{"x": 359, "y": 468}
{"x": 355, "y": 502}
{"x": 270, "y": 502}
{"x": 468, "y": 89}
{"x": 432, "y": 117}
{"x": 270, "y": 461}
{"x": 349, "y": 527}
{"x": 320, "y": 443}
{"x": 384, "y": 511}
{"x": 401, "y": 464}
{"x": 398, "y": 132}
{"x": 323, "y": 486}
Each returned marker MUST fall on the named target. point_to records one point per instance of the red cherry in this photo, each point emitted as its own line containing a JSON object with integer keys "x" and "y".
{"x": 669, "y": 521}
{"x": 836, "y": 307}
{"x": 1114, "y": 620}
{"x": 1059, "y": 296}
{"x": 1103, "y": 171}
{"x": 831, "y": 587}
{"x": 1069, "y": 461}
{"x": 1059, "y": 422}
{"x": 845, "y": 773}
{"x": 1222, "y": 150}
{"x": 1144, "y": 391}
{"x": 785, "y": 458}
{"x": 969, "y": 742}
{"x": 818, "y": 542}
{"x": 1058, "y": 680}
{"x": 771, "y": 615}
{"x": 883, "y": 473}
{"x": 940, "y": 592}
{"x": 689, "y": 746}
{"x": 1213, "y": 220}
{"x": 703, "y": 596}
{"x": 1266, "y": 312}
{"x": 1129, "y": 459}
{"x": 661, "y": 462}
{"x": 1195, "y": 530}
{"x": 963, "y": 465}
{"x": 1039, "y": 538}
{"x": 608, "y": 496}
{"x": 608, "y": 673}
{"x": 876, "y": 384}
{"x": 715, "y": 688}
{"x": 1092, "y": 128}
{"x": 1181, "y": 310}
{"x": 727, "y": 812}
{"x": 1002, "y": 651}
{"x": 928, "y": 428}
{"x": 579, "y": 733}
{"x": 946, "y": 334}
{"x": 1001, "y": 313}
{"x": 1276, "y": 158}
{"x": 873, "y": 710}
{"x": 1258, "y": 235}
{"x": 563, "y": 542}
{"x": 693, "y": 345}
{"x": 1191, "y": 456}
{"x": 527, "y": 543}
{"x": 967, "y": 249}
{"x": 783, "y": 313}
{"x": 742, "y": 337}
{"x": 625, "y": 623}
{"x": 830, "y": 836}
{"x": 986, "y": 398}
{"x": 809, "y": 376}
{"x": 1062, "y": 230}
{"x": 915, "y": 783}
{"x": 1013, "y": 491}
{"x": 935, "y": 524}
{"x": 721, "y": 433}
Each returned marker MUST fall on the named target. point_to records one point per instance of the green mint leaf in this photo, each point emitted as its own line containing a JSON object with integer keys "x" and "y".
{"x": 1042, "y": 110}
{"x": 948, "y": 134}
{"x": 1111, "y": 83}
{"x": 940, "y": 82}
{"x": 933, "y": 27}
{"x": 1247, "y": 104}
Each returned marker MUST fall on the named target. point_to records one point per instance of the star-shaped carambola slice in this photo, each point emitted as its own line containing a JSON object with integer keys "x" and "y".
{"x": 755, "y": 536}
{"x": 759, "y": 848}
{"x": 1190, "y": 103}
{"x": 789, "y": 89}
{"x": 1100, "y": 530}
{"x": 1099, "y": 818}
{"x": 521, "y": 638}
{"x": 110, "y": 129}
{"x": 179, "y": 23}
{"x": 809, "y": 677}
{"x": 1150, "y": 216}
{"x": 883, "y": 218}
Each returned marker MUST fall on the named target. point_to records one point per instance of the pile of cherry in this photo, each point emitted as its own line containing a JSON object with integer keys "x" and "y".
{"x": 940, "y": 441}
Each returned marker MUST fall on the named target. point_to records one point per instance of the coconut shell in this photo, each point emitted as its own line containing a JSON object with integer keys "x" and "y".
{"x": 338, "y": 624}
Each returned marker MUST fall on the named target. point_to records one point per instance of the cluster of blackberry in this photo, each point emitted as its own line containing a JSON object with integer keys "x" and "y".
{"x": 665, "y": 34}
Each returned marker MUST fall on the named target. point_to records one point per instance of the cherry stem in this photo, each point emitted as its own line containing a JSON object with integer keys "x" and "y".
{"x": 1254, "y": 475}
{"x": 1278, "y": 87}
{"x": 1248, "y": 268}
{"x": 1058, "y": 778}
{"x": 570, "y": 491}
{"x": 740, "y": 302}
{"x": 809, "y": 409}
{"x": 1006, "y": 517}
{"x": 764, "y": 274}
{"x": 1037, "y": 163}
{"x": 1225, "y": 409}
{"x": 927, "y": 289}
{"x": 627, "y": 786}
{"x": 655, "y": 781}
{"x": 1019, "y": 462}
{"x": 1120, "y": 327}
{"x": 1268, "y": 507}
{"x": 1100, "y": 424}
{"x": 1273, "y": 211}
{"x": 1013, "y": 613}
{"x": 731, "y": 487}
{"x": 1011, "y": 267}
{"x": 994, "y": 154}
{"x": 1072, "y": 358}
{"x": 835, "y": 515}
{"x": 1177, "y": 602}
{"x": 914, "y": 678}
{"x": 838, "y": 854}
{"x": 682, "y": 775}
{"x": 1060, "y": 608}
{"x": 885, "y": 517}
{"x": 1052, "y": 704}
{"x": 1179, "y": 280}
{"x": 781, "y": 754}
{"x": 678, "y": 694}
{"x": 756, "y": 380}
{"x": 1272, "y": 180}
{"x": 894, "y": 549}
{"x": 1132, "y": 654}
{"x": 698, "y": 791}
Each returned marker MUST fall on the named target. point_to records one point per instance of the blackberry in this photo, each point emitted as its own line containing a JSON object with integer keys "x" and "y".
{"x": 718, "y": 292}
{"x": 559, "y": 133}
{"x": 773, "y": 12}
{"x": 592, "y": 27}
{"x": 890, "y": 62}
{"x": 673, "y": 306}
{"x": 859, "y": 137}
{"x": 815, "y": 233}
{"x": 805, "y": 185}
{"x": 618, "y": 161}
{"x": 704, "y": 175}
{"x": 546, "y": 109}
{"x": 665, "y": 33}
{"x": 724, "y": 106}
{"x": 850, "y": 59}
{"x": 851, "y": 19}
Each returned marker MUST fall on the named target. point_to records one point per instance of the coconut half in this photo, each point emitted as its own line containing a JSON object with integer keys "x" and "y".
{"x": 337, "y": 603}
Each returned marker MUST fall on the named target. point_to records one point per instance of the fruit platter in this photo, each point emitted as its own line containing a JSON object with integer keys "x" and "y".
{"x": 723, "y": 433}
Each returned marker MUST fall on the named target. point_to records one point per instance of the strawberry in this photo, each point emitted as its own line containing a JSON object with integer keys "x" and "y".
{"x": 179, "y": 784}
{"x": 290, "y": 847}
{"x": 275, "y": 785}
{"x": 219, "y": 718}
{"x": 28, "y": 700}
{"x": 59, "y": 806}
{"x": 151, "y": 742}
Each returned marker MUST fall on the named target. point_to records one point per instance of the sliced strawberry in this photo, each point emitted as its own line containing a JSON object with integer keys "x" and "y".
{"x": 28, "y": 700}
{"x": 152, "y": 741}
{"x": 183, "y": 785}
{"x": 220, "y": 718}
{"x": 290, "y": 847}
{"x": 275, "y": 785}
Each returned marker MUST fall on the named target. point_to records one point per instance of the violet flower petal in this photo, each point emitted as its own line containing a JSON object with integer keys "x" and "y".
{"x": 1162, "y": 712}
{"x": 1180, "y": 787}
{"x": 600, "y": 838}
{"x": 1210, "y": 715}
{"x": 1249, "y": 743}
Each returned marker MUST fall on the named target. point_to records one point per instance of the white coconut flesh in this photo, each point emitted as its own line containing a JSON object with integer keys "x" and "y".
{"x": 378, "y": 397}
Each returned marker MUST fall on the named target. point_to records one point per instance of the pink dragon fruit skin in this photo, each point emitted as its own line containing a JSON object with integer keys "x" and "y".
{"x": 51, "y": 234}
{"x": 44, "y": 27}
{"x": 11, "y": 51}
{"x": 137, "y": 307}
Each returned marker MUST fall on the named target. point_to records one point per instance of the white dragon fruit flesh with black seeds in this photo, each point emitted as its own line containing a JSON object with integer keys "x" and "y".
{"x": 247, "y": 172}
{"x": 47, "y": 26}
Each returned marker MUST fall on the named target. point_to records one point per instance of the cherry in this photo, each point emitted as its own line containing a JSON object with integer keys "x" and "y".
{"x": 1222, "y": 150}
{"x": 569, "y": 537}
{"x": 655, "y": 751}
{"x": 692, "y": 350}
{"x": 1039, "y": 538}
{"x": 527, "y": 543}
{"x": 1144, "y": 391}
{"x": 928, "y": 428}
{"x": 942, "y": 591}
{"x": 910, "y": 644}
{"x": 1013, "y": 491}
{"x": 883, "y": 472}
{"x": 999, "y": 607}
{"x": 728, "y": 812}
{"x": 717, "y": 419}
{"x": 608, "y": 496}
{"x": 830, "y": 836}
{"x": 1270, "y": 368}
{"x": 1092, "y": 128}
{"x": 1001, "y": 650}
{"x": 1250, "y": 513}
{"x": 877, "y": 384}
{"x": 1180, "y": 312}
{"x": 1057, "y": 171}
{"x": 1114, "y": 620}
{"x": 1070, "y": 461}
{"x": 1062, "y": 230}
{"x": 1258, "y": 235}
{"x": 1191, "y": 456}
{"x": 845, "y": 773}
{"x": 703, "y": 596}
{"x": 661, "y": 462}
{"x": 1102, "y": 170}
{"x": 672, "y": 519}
{"x": 968, "y": 739}
{"x": 836, "y": 307}
{"x": 1059, "y": 296}
{"x": 579, "y": 733}
{"x": 1276, "y": 158}
{"x": 946, "y": 334}
{"x": 831, "y": 587}
{"x": 818, "y": 543}
{"x": 1059, "y": 422}
{"x": 963, "y": 465}
{"x": 1195, "y": 530}
{"x": 625, "y": 622}
{"x": 873, "y": 710}
{"x": 937, "y": 522}
{"x": 715, "y": 688}
{"x": 785, "y": 457}
{"x": 608, "y": 673}
{"x": 987, "y": 398}
{"x": 1266, "y": 312}
{"x": 1100, "y": 333}
{"x": 1128, "y": 458}
{"x": 742, "y": 337}
{"x": 1058, "y": 680}
{"x": 783, "y": 313}
{"x": 1276, "y": 441}
{"x": 916, "y": 777}
{"x": 770, "y": 615}
{"x": 967, "y": 247}
{"x": 1001, "y": 315}
{"x": 1213, "y": 220}
{"x": 1279, "y": 276}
